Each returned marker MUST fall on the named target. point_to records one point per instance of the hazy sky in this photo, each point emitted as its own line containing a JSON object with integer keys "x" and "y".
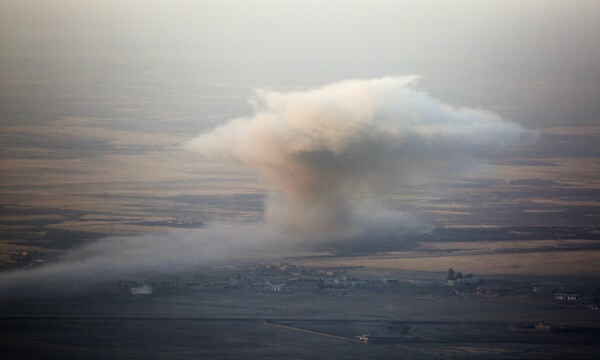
{"x": 310, "y": 30}
{"x": 536, "y": 62}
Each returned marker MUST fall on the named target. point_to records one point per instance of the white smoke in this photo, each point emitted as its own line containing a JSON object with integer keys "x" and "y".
{"x": 115, "y": 258}
{"x": 326, "y": 152}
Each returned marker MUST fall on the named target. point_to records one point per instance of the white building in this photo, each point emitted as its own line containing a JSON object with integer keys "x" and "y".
{"x": 142, "y": 290}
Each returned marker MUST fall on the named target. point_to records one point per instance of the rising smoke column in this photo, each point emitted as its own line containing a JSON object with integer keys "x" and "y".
{"x": 326, "y": 151}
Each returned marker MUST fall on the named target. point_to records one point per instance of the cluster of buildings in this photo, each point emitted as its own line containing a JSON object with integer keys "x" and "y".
{"x": 504, "y": 287}
{"x": 284, "y": 277}
{"x": 262, "y": 278}
{"x": 276, "y": 278}
{"x": 289, "y": 278}
{"x": 22, "y": 259}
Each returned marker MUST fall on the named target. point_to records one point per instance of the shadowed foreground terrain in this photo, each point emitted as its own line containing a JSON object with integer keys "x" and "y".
{"x": 240, "y": 324}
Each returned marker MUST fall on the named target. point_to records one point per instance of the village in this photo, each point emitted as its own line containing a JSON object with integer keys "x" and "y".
{"x": 286, "y": 277}
{"x": 275, "y": 303}
{"x": 265, "y": 278}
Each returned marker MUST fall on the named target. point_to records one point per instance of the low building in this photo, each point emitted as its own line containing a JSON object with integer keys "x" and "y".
{"x": 541, "y": 289}
{"x": 305, "y": 284}
{"x": 469, "y": 281}
{"x": 542, "y": 327}
{"x": 567, "y": 297}
{"x": 494, "y": 289}
{"x": 278, "y": 288}
{"x": 142, "y": 290}
{"x": 539, "y": 327}
{"x": 359, "y": 284}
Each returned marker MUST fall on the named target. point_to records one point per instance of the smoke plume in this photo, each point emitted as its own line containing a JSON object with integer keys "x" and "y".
{"x": 327, "y": 152}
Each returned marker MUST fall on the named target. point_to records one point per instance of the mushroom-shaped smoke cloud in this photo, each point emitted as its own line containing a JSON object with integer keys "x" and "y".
{"x": 326, "y": 151}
